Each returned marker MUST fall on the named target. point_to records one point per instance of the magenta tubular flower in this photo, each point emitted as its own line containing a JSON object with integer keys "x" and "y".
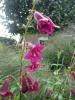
{"x": 73, "y": 92}
{"x": 38, "y": 15}
{"x": 30, "y": 80}
{"x": 5, "y": 89}
{"x": 32, "y": 57}
{"x": 24, "y": 85}
{"x": 33, "y": 67}
{"x": 73, "y": 75}
{"x": 33, "y": 85}
{"x": 44, "y": 23}
{"x": 48, "y": 93}
{"x": 29, "y": 84}
{"x": 35, "y": 53}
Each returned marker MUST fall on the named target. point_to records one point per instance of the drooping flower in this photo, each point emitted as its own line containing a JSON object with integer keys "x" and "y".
{"x": 33, "y": 67}
{"x": 35, "y": 53}
{"x": 44, "y": 23}
{"x": 24, "y": 85}
{"x": 5, "y": 92}
{"x": 29, "y": 84}
{"x": 48, "y": 93}
{"x": 73, "y": 75}
{"x": 30, "y": 80}
{"x": 33, "y": 85}
{"x": 73, "y": 92}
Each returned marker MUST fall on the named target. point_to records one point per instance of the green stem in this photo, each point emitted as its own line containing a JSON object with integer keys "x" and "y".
{"x": 28, "y": 23}
{"x": 69, "y": 85}
{"x": 20, "y": 75}
{"x": 26, "y": 29}
{"x": 33, "y": 5}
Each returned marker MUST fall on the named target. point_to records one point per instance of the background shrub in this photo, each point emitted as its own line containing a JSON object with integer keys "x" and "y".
{"x": 61, "y": 11}
{"x": 7, "y": 41}
{"x": 59, "y": 51}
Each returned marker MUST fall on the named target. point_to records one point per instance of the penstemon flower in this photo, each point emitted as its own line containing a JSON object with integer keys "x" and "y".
{"x": 29, "y": 84}
{"x": 44, "y": 23}
{"x": 73, "y": 92}
{"x": 35, "y": 53}
{"x": 73, "y": 75}
{"x": 33, "y": 85}
{"x": 24, "y": 85}
{"x": 33, "y": 67}
{"x": 5, "y": 92}
{"x": 48, "y": 93}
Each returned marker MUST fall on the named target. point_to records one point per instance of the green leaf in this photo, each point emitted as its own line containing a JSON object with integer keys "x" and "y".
{"x": 58, "y": 83}
{"x": 18, "y": 84}
{"x": 16, "y": 97}
{"x": 59, "y": 54}
{"x": 44, "y": 80}
{"x": 56, "y": 72}
{"x": 13, "y": 89}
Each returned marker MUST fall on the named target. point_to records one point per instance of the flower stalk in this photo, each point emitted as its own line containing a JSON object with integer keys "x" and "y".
{"x": 24, "y": 43}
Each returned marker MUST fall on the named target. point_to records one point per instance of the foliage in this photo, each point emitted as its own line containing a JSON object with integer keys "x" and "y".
{"x": 7, "y": 41}
{"x": 43, "y": 84}
{"x": 60, "y": 85}
{"x": 58, "y": 52}
{"x": 17, "y": 12}
{"x": 61, "y": 11}
{"x": 9, "y": 61}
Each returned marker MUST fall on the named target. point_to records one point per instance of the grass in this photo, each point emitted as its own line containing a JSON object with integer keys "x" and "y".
{"x": 9, "y": 63}
{"x": 8, "y": 59}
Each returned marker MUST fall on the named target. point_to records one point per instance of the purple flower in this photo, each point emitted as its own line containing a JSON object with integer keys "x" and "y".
{"x": 29, "y": 84}
{"x": 30, "y": 80}
{"x": 73, "y": 75}
{"x": 24, "y": 85}
{"x": 48, "y": 93}
{"x": 35, "y": 53}
{"x": 73, "y": 92}
{"x": 33, "y": 67}
{"x": 33, "y": 85}
{"x": 44, "y": 23}
{"x": 5, "y": 89}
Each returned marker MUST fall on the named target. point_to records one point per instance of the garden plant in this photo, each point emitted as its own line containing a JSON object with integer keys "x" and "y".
{"x": 42, "y": 75}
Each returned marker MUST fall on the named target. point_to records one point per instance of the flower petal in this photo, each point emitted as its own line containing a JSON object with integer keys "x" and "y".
{"x": 34, "y": 54}
{"x": 33, "y": 67}
{"x": 24, "y": 85}
{"x": 34, "y": 87}
{"x": 5, "y": 89}
{"x": 44, "y": 23}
